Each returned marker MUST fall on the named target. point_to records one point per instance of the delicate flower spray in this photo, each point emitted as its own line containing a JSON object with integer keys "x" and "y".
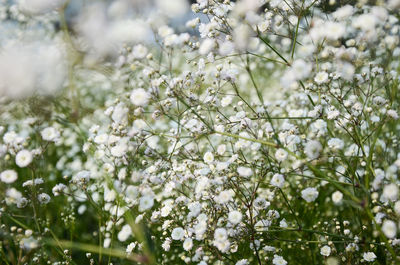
{"x": 221, "y": 132}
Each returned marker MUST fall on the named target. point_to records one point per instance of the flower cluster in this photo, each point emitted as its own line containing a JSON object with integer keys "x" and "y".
{"x": 257, "y": 132}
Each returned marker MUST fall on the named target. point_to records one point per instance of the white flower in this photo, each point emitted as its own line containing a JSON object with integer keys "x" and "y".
{"x": 325, "y": 251}
{"x": 321, "y": 77}
{"x": 279, "y": 260}
{"x": 178, "y": 233}
{"x": 131, "y": 247}
{"x": 221, "y": 149}
{"x": 145, "y": 203}
{"x": 125, "y": 232}
{"x": 235, "y": 217}
{"x": 369, "y": 256}
{"x": 244, "y": 171}
{"x": 139, "y": 97}
{"x": 226, "y": 101}
{"x": 172, "y": 8}
{"x": 397, "y": 207}
{"x": 281, "y": 155}
{"x": 312, "y": 149}
{"x": 188, "y": 244}
{"x": 277, "y": 180}
{"x": 224, "y": 196}
{"x": 220, "y": 234}
{"x": 337, "y": 197}
{"x": 8, "y": 176}
{"x": 226, "y": 48}
{"x": 50, "y": 134}
{"x": 206, "y": 46}
{"x": 37, "y": 7}
{"x": 23, "y": 158}
{"x": 391, "y": 192}
{"x": 44, "y": 198}
{"x": 119, "y": 150}
{"x": 208, "y": 157}
{"x": 389, "y": 228}
{"x": 309, "y": 194}
{"x": 335, "y": 144}
{"x": 242, "y": 262}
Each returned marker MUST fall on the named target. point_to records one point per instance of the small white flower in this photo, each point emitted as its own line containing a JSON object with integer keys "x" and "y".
{"x": 337, "y": 197}
{"x": 139, "y": 97}
{"x": 321, "y": 77}
{"x": 335, "y": 144}
{"x": 50, "y": 134}
{"x": 244, "y": 171}
{"x": 369, "y": 256}
{"x": 130, "y": 247}
{"x": 208, "y": 157}
{"x": 178, "y": 233}
{"x": 221, "y": 149}
{"x": 281, "y": 155}
{"x": 313, "y": 149}
{"x": 389, "y": 228}
{"x": 8, "y": 176}
{"x": 325, "y": 251}
{"x": 224, "y": 196}
{"x": 125, "y": 232}
{"x": 220, "y": 234}
{"x": 23, "y": 158}
{"x": 279, "y": 260}
{"x": 206, "y": 46}
{"x": 145, "y": 203}
{"x": 226, "y": 101}
{"x": 235, "y": 217}
{"x": 44, "y": 198}
{"x": 188, "y": 244}
{"x": 309, "y": 194}
{"x": 391, "y": 192}
{"x": 277, "y": 180}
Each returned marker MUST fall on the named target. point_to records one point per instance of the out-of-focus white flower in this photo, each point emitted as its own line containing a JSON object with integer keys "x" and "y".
{"x": 278, "y": 260}
{"x": 224, "y": 196}
{"x": 28, "y": 68}
{"x": 125, "y": 232}
{"x": 8, "y": 176}
{"x": 389, "y": 228}
{"x": 325, "y": 251}
{"x": 309, "y": 194}
{"x": 178, "y": 233}
{"x": 226, "y": 101}
{"x": 139, "y": 97}
{"x": 145, "y": 203}
{"x": 50, "y": 134}
{"x": 313, "y": 149}
{"x": 130, "y": 247}
{"x": 337, "y": 197}
{"x": 226, "y": 48}
{"x": 23, "y": 158}
{"x": 206, "y": 46}
{"x": 369, "y": 256}
{"x": 244, "y": 171}
{"x": 173, "y": 8}
{"x": 188, "y": 244}
{"x": 391, "y": 192}
{"x": 36, "y": 7}
{"x": 281, "y": 155}
{"x": 235, "y": 217}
